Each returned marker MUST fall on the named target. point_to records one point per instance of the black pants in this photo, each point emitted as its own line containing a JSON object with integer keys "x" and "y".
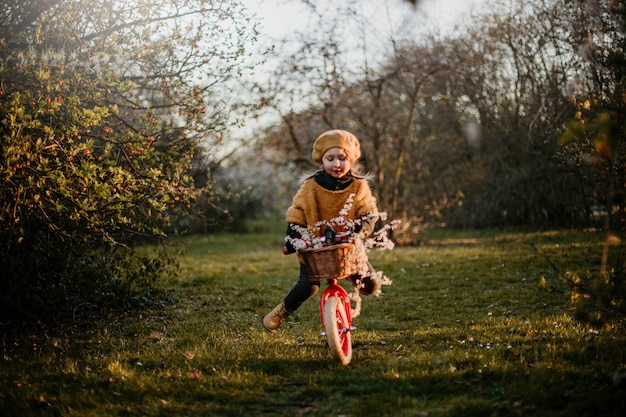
{"x": 302, "y": 291}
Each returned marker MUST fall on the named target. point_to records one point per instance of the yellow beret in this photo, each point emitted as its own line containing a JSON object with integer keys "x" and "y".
{"x": 336, "y": 139}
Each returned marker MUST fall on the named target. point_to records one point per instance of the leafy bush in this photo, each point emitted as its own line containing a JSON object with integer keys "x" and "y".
{"x": 75, "y": 186}
{"x": 47, "y": 279}
{"x": 100, "y": 133}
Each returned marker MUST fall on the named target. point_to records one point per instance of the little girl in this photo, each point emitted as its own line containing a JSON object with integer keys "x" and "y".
{"x": 320, "y": 198}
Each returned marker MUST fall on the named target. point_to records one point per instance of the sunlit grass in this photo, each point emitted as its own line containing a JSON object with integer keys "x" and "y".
{"x": 465, "y": 330}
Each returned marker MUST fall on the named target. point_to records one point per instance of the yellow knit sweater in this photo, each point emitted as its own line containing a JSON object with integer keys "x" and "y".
{"x": 313, "y": 203}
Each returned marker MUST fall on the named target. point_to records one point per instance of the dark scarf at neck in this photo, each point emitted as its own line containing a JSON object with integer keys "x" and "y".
{"x": 329, "y": 182}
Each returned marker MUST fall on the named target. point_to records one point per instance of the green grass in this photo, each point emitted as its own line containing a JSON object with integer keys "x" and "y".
{"x": 464, "y": 330}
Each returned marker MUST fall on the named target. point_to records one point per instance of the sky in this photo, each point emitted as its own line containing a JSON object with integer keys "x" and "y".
{"x": 279, "y": 18}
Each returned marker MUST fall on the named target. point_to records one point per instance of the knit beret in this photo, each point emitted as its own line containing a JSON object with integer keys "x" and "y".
{"x": 336, "y": 139}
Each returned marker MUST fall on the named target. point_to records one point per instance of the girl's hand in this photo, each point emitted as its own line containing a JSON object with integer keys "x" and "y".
{"x": 288, "y": 248}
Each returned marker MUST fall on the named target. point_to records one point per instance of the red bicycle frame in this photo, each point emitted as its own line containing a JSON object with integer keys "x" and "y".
{"x": 334, "y": 289}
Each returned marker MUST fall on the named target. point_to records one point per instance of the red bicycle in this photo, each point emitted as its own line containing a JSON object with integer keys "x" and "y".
{"x": 332, "y": 263}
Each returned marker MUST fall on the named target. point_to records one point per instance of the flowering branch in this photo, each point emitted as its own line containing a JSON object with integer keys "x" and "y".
{"x": 345, "y": 230}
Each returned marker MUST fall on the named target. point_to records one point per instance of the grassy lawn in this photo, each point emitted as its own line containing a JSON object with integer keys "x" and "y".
{"x": 464, "y": 330}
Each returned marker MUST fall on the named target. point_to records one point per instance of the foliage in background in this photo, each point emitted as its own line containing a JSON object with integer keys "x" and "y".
{"x": 457, "y": 129}
{"x": 107, "y": 109}
{"x": 595, "y": 142}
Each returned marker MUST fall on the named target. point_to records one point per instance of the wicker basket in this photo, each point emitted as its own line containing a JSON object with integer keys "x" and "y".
{"x": 328, "y": 262}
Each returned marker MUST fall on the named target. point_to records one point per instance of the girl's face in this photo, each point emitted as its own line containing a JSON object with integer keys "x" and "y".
{"x": 336, "y": 162}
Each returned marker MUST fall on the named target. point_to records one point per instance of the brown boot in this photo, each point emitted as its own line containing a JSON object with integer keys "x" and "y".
{"x": 276, "y": 317}
{"x": 367, "y": 285}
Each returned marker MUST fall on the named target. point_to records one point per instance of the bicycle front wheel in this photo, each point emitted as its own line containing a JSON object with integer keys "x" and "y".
{"x": 338, "y": 332}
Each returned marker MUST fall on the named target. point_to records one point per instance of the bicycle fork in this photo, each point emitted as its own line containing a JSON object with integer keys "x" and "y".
{"x": 335, "y": 290}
